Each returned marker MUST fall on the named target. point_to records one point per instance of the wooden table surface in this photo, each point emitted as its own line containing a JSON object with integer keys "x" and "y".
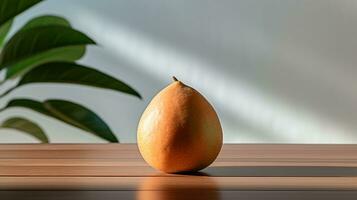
{"x": 119, "y": 169}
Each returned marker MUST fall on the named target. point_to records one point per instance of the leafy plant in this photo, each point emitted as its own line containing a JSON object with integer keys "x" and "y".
{"x": 45, "y": 50}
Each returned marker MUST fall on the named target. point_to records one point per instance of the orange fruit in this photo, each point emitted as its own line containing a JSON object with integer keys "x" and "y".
{"x": 179, "y": 130}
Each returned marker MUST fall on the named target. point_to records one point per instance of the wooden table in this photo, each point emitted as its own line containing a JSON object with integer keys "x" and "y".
{"x": 110, "y": 171}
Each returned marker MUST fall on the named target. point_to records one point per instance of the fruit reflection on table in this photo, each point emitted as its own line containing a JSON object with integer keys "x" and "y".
{"x": 200, "y": 187}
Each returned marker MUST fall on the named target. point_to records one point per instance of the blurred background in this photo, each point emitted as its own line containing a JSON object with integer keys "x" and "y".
{"x": 276, "y": 71}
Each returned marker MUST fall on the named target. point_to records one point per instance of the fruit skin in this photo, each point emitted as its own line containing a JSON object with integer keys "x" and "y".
{"x": 179, "y": 131}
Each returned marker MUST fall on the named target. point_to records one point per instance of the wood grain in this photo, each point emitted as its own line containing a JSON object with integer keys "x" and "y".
{"x": 120, "y": 167}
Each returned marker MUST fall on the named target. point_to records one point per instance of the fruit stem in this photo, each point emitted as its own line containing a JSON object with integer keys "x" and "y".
{"x": 175, "y": 79}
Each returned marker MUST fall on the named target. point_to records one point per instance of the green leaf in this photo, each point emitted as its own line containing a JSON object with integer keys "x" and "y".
{"x": 28, "y": 103}
{"x": 70, "y": 113}
{"x": 64, "y": 72}
{"x": 10, "y": 8}
{"x": 26, "y": 126}
{"x": 46, "y": 20}
{"x": 80, "y": 117}
{"x": 36, "y": 41}
{"x": 4, "y": 29}
{"x": 68, "y": 53}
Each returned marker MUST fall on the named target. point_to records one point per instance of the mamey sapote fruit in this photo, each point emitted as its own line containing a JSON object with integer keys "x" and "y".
{"x": 179, "y": 131}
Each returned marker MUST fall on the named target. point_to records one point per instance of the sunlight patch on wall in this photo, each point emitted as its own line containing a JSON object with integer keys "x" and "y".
{"x": 227, "y": 94}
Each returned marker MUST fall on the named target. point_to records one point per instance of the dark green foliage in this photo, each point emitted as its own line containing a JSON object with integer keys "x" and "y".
{"x": 26, "y": 126}
{"x": 44, "y": 50}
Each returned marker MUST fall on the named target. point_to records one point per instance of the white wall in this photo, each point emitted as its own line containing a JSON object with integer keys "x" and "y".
{"x": 276, "y": 71}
